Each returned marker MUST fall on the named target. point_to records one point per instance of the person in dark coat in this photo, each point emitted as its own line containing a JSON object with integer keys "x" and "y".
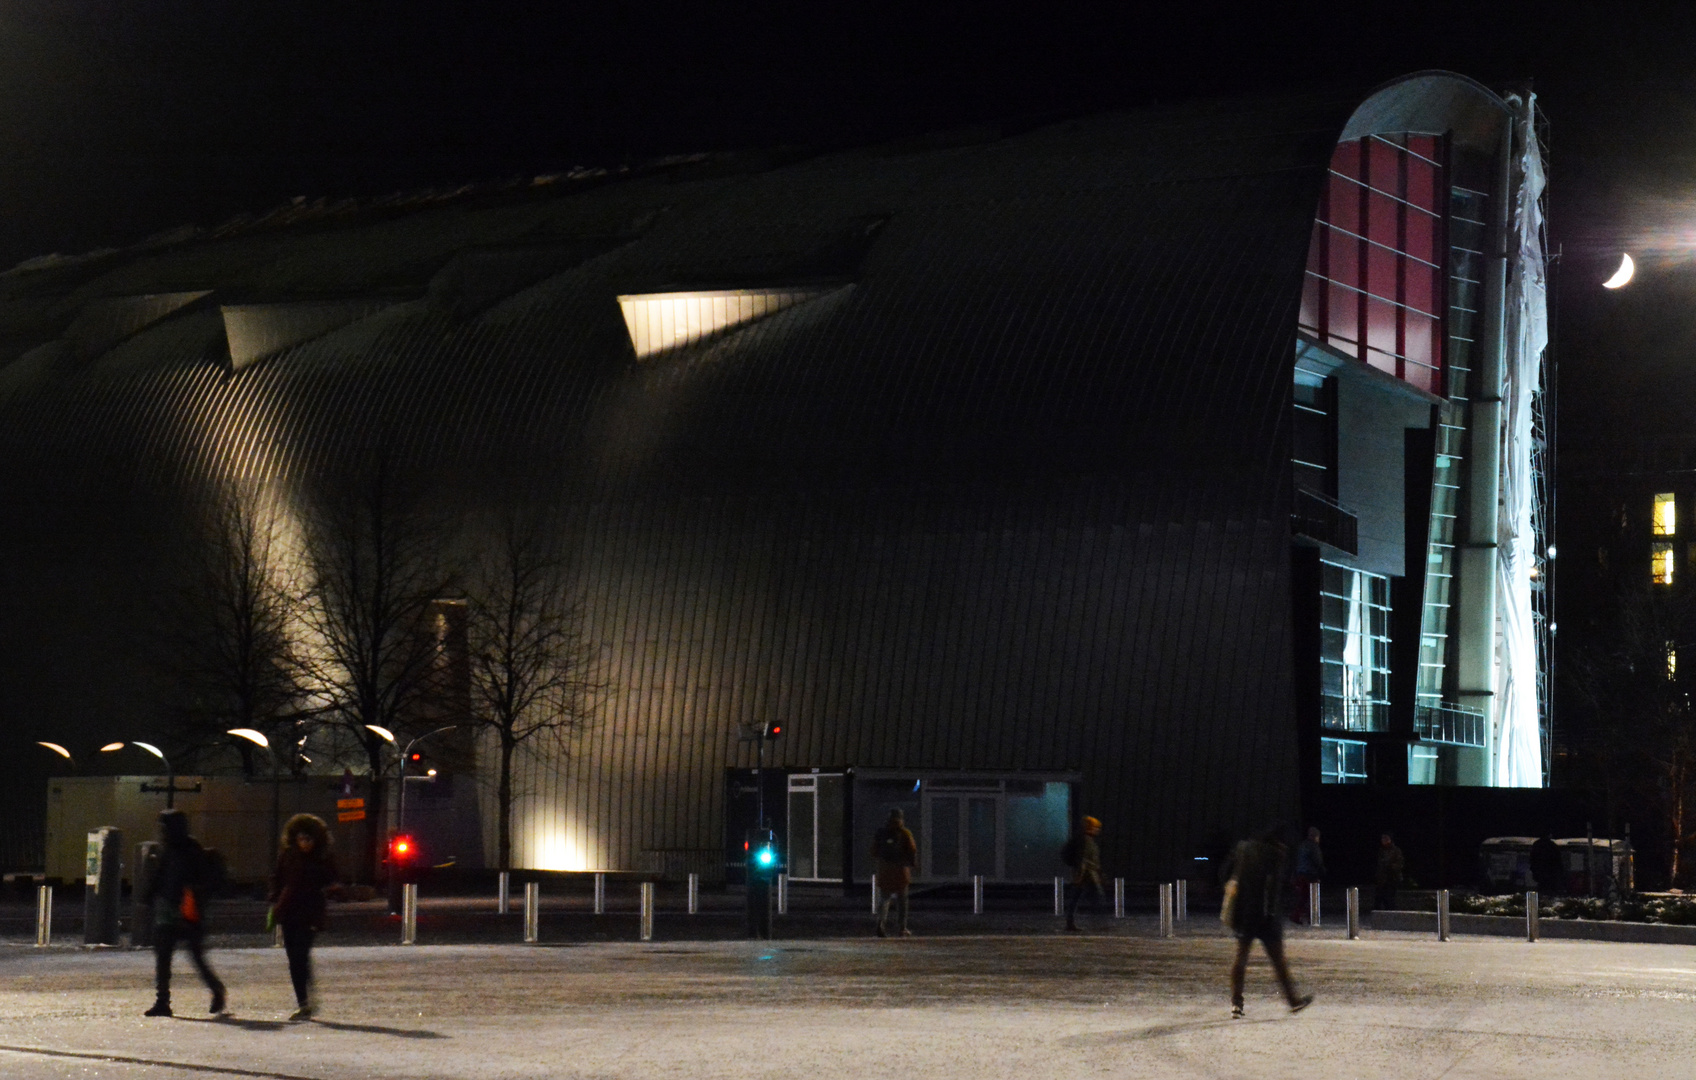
{"x": 1387, "y": 878}
{"x": 1254, "y": 903}
{"x": 1546, "y": 866}
{"x": 1310, "y": 868}
{"x": 305, "y": 868}
{"x": 895, "y": 853}
{"x": 1083, "y": 855}
{"x": 178, "y": 894}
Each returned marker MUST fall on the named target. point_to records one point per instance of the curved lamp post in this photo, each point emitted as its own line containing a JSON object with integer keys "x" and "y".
{"x": 258, "y": 738}
{"x": 405, "y": 755}
{"x": 170, "y": 773}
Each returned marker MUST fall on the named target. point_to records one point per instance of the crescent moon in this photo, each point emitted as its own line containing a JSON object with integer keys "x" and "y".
{"x": 1622, "y": 275}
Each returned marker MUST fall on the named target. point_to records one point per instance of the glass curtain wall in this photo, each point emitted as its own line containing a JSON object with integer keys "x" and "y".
{"x": 1354, "y": 662}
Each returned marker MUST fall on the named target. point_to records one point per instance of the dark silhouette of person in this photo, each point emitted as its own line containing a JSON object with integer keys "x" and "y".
{"x": 178, "y": 895}
{"x": 1387, "y": 878}
{"x": 1546, "y": 866}
{"x": 1254, "y": 904}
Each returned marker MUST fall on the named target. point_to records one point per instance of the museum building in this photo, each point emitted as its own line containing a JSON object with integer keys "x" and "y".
{"x": 1182, "y": 467}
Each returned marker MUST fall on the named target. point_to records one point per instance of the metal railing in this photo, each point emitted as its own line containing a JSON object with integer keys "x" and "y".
{"x": 1320, "y": 518}
{"x": 1456, "y": 725}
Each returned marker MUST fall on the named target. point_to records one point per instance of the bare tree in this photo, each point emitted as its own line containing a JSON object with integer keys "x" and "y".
{"x": 533, "y": 667}
{"x": 373, "y": 573}
{"x": 230, "y": 648}
{"x": 1635, "y": 725}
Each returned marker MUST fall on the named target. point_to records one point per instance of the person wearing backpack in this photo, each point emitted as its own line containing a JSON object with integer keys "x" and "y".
{"x": 1254, "y": 910}
{"x": 186, "y": 878}
{"x": 895, "y": 853}
{"x": 1083, "y": 855}
{"x": 305, "y": 868}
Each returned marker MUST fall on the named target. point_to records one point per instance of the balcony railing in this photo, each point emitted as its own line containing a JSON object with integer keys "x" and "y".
{"x": 1455, "y": 725}
{"x": 1320, "y": 518}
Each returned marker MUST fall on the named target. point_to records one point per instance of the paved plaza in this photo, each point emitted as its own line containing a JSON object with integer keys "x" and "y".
{"x": 1119, "y": 1005}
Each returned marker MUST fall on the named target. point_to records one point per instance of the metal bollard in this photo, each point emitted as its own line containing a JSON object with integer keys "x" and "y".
{"x": 1059, "y": 896}
{"x": 647, "y": 911}
{"x": 1183, "y": 900}
{"x": 503, "y": 902}
{"x": 694, "y": 893}
{"x": 532, "y": 912}
{"x": 875, "y": 910}
{"x": 1531, "y": 916}
{"x": 783, "y": 894}
{"x": 1166, "y": 929}
{"x": 1313, "y": 903}
{"x": 600, "y": 893}
{"x": 44, "y": 916}
{"x": 1352, "y": 902}
{"x": 409, "y": 914}
{"x": 277, "y": 936}
{"x": 977, "y": 894}
{"x": 1442, "y": 914}
{"x": 1118, "y": 898}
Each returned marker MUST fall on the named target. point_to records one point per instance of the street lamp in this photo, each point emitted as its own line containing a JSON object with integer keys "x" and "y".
{"x": 258, "y": 739}
{"x": 170, "y": 773}
{"x": 405, "y": 756}
{"x": 60, "y": 750}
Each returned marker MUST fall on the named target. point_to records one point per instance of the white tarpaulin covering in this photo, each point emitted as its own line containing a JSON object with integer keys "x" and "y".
{"x": 1519, "y": 753}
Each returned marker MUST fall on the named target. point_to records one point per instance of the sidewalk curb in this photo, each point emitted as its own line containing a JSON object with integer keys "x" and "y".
{"x": 1508, "y": 926}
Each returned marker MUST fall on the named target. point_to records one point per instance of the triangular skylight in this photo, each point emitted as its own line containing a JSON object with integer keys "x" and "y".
{"x": 659, "y": 322}
{"x": 105, "y": 322}
{"x": 255, "y": 331}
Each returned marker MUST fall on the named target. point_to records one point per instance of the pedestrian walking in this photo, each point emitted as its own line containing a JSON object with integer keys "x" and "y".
{"x": 1546, "y": 866}
{"x": 1083, "y": 855}
{"x": 895, "y": 853}
{"x": 186, "y": 877}
{"x": 1310, "y": 868}
{"x": 1254, "y": 911}
{"x": 1388, "y": 876}
{"x": 305, "y": 868}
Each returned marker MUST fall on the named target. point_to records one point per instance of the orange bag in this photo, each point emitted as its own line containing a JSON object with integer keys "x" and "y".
{"x": 189, "y": 908}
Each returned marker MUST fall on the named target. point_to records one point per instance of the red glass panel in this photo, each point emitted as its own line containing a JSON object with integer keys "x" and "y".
{"x": 1419, "y": 288}
{"x": 1382, "y": 361}
{"x": 1343, "y": 202}
{"x": 1342, "y": 319}
{"x": 1380, "y": 326}
{"x": 1421, "y": 185}
{"x": 1308, "y": 319}
{"x": 1346, "y": 159}
{"x": 1381, "y": 272}
{"x": 1419, "y": 335}
{"x": 1382, "y": 225}
{"x": 1423, "y": 145}
{"x": 1384, "y": 167}
{"x": 1344, "y": 258}
{"x": 1422, "y": 236}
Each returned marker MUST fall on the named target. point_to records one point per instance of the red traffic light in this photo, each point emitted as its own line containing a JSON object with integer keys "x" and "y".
{"x": 774, "y": 730}
{"x": 401, "y": 848}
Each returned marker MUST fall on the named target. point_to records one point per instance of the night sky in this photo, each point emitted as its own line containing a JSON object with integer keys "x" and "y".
{"x": 121, "y": 119}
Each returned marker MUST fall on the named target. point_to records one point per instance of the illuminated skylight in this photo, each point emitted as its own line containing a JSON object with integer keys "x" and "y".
{"x": 659, "y": 322}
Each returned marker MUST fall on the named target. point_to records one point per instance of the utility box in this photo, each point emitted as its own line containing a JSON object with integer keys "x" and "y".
{"x": 104, "y": 881}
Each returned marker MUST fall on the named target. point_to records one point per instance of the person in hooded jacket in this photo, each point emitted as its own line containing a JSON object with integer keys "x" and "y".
{"x": 305, "y": 868}
{"x": 1254, "y": 903}
{"x": 178, "y": 894}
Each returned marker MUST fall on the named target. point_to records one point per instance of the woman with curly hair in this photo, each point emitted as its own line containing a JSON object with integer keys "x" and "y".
{"x": 305, "y": 868}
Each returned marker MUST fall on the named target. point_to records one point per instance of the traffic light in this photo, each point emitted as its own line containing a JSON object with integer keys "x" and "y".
{"x": 763, "y": 861}
{"x": 405, "y": 858}
{"x": 773, "y": 731}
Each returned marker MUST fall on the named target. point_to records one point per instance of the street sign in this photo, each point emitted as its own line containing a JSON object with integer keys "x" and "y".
{"x": 351, "y": 815}
{"x": 350, "y": 804}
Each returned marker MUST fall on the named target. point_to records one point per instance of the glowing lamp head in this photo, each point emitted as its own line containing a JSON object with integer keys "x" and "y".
{"x": 765, "y": 857}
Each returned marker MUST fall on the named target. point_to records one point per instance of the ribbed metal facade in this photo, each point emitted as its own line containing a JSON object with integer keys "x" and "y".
{"x": 1011, "y": 493}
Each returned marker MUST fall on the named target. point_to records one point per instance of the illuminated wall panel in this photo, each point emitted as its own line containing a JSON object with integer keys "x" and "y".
{"x": 1374, "y": 287}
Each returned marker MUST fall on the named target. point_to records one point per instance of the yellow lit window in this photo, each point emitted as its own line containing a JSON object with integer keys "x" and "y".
{"x": 1660, "y": 562}
{"x": 1666, "y": 515}
{"x": 1672, "y": 660}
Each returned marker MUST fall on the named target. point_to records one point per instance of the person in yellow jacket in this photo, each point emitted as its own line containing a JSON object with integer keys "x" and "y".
{"x": 1083, "y": 855}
